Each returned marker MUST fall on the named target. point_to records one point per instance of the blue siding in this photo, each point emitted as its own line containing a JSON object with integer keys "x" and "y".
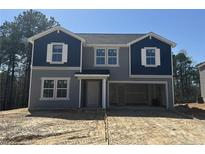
{"x": 165, "y": 54}
{"x": 40, "y": 49}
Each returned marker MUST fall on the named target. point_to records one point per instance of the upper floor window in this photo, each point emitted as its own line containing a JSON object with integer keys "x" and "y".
{"x": 57, "y": 53}
{"x": 150, "y": 57}
{"x": 112, "y": 56}
{"x": 106, "y": 56}
{"x": 100, "y": 56}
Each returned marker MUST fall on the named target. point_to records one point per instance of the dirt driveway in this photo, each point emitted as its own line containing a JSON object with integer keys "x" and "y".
{"x": 157, "y": 126}
{"x": 154, "y": 127}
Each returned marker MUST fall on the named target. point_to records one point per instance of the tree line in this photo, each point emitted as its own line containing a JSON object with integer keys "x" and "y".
{"x": 186, "y": 78}
{"x": 15, "y": 62}
{"x": 15, "y": 56}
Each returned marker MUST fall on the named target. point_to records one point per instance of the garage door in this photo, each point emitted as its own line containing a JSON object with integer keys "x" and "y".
{"x": 128, "y": 94}
{"x": 137, "y": 94}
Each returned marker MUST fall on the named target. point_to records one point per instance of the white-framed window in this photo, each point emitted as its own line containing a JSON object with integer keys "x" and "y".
{"x": 62, "y": 86}
{"x": 48, "y": 89}
{"x": 55, "y": 88}
{"x": 112, "y": 57}
{"x": 100, "y": 56}
{"x": 106, "y": 56}
{"x": 57, "y": 53}
{"x": 150, "y": 57}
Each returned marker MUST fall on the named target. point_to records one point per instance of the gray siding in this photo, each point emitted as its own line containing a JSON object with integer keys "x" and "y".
{"x": 121, "y": 73}
{"x": 36, "y": 103}
{"x": 116, "y": 73}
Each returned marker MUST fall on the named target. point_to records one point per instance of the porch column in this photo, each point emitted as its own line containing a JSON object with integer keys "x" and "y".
{"x": 103, "y": 93}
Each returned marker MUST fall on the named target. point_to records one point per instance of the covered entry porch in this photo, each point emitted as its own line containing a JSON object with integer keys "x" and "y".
{"x": 93, "y": 87}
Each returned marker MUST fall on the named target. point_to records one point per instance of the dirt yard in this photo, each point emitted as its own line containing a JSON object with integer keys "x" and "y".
{"x": 185, "y": 125}
{"x": 19, "y": 127}
{"x": 154, "y": 127}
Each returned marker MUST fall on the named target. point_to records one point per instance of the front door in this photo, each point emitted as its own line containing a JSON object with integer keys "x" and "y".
{"x": 93, "y": 93}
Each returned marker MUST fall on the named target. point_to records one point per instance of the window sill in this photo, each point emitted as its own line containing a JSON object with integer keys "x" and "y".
{"x": 56, "y": 62}
{"x": 105, "y": 65}
{"x": 151, "y": 65}
{"x": 46, "y": 99}
{"x": 54, "y": 99}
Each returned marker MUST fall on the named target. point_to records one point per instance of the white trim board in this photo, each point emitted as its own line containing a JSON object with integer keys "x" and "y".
{"x": 81, "y": 56}
{"x": 173, "y": 97}
{"x": 91, "y": 76}
{"x": 151, "y": 34}
{"x": 57, "y": 28}
{"x": 78, "y": 75}
{"x": 60, "y": 68}
{"x": 129, "y": 61}
{"x": 140, "y": 82}
{"x": 151, "y": 76}
{"x": 30, "y": 84}
{"x": 80, "y": 87}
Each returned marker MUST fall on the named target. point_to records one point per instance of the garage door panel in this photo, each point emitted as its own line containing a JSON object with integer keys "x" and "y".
{"x": 113, "y": 94}
{"x": 136, "y": 94}
{"x": 137, "y": 98}
{"x": 123, "y": 94}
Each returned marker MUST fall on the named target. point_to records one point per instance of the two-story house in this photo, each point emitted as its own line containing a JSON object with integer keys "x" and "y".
{"x": 76, "y": 70}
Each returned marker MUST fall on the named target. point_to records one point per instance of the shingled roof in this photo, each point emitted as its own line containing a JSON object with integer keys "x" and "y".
{"x": 103, "y": 38}
{"x": 100, "y": 38}
{"x": 201, "y": 64}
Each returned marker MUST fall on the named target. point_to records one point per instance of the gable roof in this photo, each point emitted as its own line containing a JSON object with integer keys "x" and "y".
{"x": 117, "y": 39}
{"x": 104, "y": 38}
{"x": 53, "y": 29}
{"x": 152, "y": 34}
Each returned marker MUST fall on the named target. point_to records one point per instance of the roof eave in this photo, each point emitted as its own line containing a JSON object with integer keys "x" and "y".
{"x": 39, "y": 35}
{"x": 171, "y": 43}
{"x": 201, "y": 65}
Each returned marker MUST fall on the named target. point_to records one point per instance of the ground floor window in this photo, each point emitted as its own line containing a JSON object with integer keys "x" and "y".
{"x": 55, "y": 88}
{"x": 48, "y": 88}
{"x": 62, "y": 86}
